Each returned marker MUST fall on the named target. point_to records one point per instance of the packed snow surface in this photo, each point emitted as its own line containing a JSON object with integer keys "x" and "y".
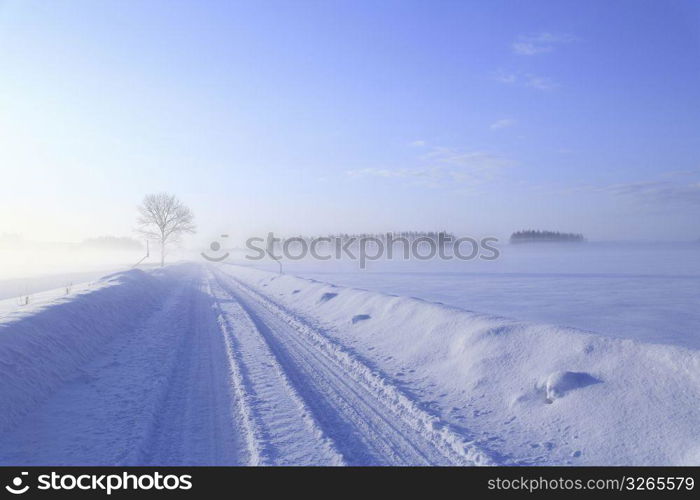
{"x": 223, "y": 364}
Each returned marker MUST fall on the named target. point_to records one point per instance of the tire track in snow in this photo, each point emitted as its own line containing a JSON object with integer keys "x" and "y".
{"x": 251, "y": 432}
{"x": 280, "y": 429}
{"x": 370, "y": 420}
{"x": 195, "y": 418}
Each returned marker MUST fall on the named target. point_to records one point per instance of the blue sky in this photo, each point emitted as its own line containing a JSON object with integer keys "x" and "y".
{"x": 304, "y": 117}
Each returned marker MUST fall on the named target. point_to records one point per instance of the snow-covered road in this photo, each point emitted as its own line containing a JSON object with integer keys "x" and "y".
{"x": 216, "y": 373}
{"x": 154, "y": 394}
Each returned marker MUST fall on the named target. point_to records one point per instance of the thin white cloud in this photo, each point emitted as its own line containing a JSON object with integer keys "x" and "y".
{"x": 467, "y": 160}
{"x": 529, "y": 49}
{"x": 502, "y": 123}
{"x": 426, "y": 176}
{"x": 662, "y": 192}
{"x": 418, "y": 144}
{"x": 530, "y": 45}
{"x": 539, "y": 82}
{"x": 676, "y": 174}
{"x": 445, "y": 167}
{"x": 526, "y": 80}
{"x": 667, "y": 192}
{"x": 380, "y": 172}
{"x": 507, "y": 78}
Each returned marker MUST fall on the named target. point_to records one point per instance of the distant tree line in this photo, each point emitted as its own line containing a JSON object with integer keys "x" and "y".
{"x": 537, "y": 235}
{"x": 410, "y": 236}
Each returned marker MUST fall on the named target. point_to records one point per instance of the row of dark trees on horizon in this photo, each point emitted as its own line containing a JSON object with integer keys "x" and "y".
{"x": 531, "y": 235}
{"x": 411, "y": 236}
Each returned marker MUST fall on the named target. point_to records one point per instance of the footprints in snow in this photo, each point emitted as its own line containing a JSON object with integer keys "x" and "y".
{"x": 327, "y": 296}
{"x": 331, "y": 295}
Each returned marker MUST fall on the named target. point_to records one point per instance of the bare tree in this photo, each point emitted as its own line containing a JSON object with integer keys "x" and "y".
{"x": 164, "y": 218}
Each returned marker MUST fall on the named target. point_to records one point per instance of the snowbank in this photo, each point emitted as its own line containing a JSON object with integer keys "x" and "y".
{"x": 43, "y": 345}
{"x": 528, "y": 393}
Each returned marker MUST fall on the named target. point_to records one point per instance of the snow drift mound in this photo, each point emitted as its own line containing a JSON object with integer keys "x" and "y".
{"x": 528, "y": 393}
{"x": 42, "y": 347}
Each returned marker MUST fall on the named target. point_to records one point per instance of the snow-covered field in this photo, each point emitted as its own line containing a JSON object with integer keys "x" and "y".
{"x": 646, "y": 292}
{"x": 224, "y": 364}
